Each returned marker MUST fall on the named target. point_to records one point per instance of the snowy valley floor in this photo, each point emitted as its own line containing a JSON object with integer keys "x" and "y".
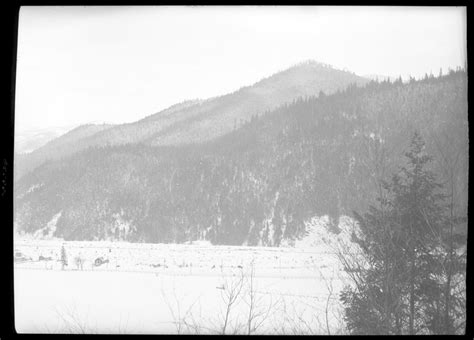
{"x": 163, "y": 289}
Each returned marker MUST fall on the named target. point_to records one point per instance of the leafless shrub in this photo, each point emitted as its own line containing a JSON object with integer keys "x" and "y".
{"x": 236, "y": 290}
{"x": 74, "y": 323}
{"x": 183, "y": 322}
{"x": 257, "y": 313}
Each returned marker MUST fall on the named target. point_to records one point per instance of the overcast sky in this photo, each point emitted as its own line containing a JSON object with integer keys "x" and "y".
{"x": 119, "y": 64}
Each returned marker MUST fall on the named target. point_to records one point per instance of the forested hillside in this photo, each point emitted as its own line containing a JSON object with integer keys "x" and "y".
{"x": 64, "y": 144}
{"x": 258, "y": 184}
{"x": 28, "y": 140}
{"x": 196, "y": 121}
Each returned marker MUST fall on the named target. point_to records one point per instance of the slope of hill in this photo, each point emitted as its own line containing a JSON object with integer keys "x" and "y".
{"x": 223, "y": 114}
{"x": 29, "y": 140}
{"x": 259, "y": 183}
{"x": 63, "y": 145}
{"x": 203, "y": 120}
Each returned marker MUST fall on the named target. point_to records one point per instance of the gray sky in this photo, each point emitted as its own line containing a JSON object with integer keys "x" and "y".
{"x": 119, "y": 64}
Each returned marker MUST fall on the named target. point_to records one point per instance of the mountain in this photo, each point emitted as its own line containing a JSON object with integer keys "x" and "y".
{"x": 29, "y": 140}
{"x": 261, "y": 182}
{"x": 203, "y": 120}
{"x": 63, "y": 145}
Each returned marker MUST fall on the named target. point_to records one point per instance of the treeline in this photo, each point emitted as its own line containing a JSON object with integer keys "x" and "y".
{"x": 325, "y": 154}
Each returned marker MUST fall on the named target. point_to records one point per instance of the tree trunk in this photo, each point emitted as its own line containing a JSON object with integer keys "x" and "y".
{"x": 447, "y": 293}
{"x": 412, "y": 289}
{"x": 387, "y": 302}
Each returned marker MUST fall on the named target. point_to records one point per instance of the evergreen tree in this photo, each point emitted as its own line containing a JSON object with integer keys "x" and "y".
{"x": 400, "y": 290}
{"x": 63, "y": 257}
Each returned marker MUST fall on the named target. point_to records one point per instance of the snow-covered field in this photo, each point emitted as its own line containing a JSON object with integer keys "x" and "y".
{"x": 162, "y": 288}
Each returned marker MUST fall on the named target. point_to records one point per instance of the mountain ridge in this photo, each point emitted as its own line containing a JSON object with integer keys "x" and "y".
{"x": 199, "y": 120}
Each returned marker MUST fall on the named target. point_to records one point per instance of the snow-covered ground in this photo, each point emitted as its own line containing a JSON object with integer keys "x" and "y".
{"x": 164, "y": 288}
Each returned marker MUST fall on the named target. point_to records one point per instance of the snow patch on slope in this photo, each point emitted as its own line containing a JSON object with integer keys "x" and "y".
{"x": 48, "y": 231}
{"x": 330, "y": 236}
{"x": 31, "y": 189}
{"x": 121, "y": 227}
